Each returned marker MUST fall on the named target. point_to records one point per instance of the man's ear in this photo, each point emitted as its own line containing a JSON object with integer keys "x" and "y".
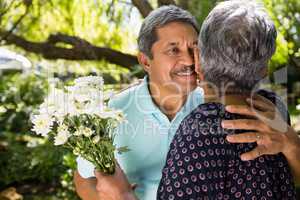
{"x": 144, "y": 61}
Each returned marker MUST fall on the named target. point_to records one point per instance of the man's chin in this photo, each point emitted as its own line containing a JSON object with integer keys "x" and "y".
{"x": 187, "y": 87}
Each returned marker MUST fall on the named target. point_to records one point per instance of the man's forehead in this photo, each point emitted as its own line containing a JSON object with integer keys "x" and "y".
{"x": 176, "y": 34}
{"x": 178, "y": 43}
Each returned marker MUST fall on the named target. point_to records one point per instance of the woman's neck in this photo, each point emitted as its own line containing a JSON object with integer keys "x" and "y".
{"x": 230, "y": 97}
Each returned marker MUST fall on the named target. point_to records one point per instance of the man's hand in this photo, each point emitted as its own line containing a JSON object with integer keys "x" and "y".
{"x": 114, "y": 187}
{"x": 265, "y": 127}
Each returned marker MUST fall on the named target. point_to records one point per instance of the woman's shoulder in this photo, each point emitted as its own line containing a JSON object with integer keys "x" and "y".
{"x": 205, "y": 116}
{"x": 207, "y": 110}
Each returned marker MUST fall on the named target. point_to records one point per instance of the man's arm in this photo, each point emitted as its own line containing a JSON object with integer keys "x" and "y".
{"x": 271, "y": 133}
{"x": 104, "y": 187}
{"x": 293, "y": 155}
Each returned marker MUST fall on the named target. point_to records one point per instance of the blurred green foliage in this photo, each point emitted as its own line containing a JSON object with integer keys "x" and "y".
{"x": 31, "y": 162}
{"x": 41, "y": 162}
{"x": 20, "y": 94}
{"x": 26, "y": 159}
{"x": 286, "y": 15}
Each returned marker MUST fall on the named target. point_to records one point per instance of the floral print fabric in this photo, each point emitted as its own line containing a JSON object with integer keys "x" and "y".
{"x": 202, "y": 165}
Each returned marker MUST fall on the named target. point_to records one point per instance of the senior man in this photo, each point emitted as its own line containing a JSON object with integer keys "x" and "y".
{"x": 154, "y": 108}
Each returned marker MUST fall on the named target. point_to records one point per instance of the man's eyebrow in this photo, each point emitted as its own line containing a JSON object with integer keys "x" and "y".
{"x": 173, "y": 44}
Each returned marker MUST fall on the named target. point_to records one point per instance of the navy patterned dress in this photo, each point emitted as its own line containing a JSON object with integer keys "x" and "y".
{"x": 202, "y": 165}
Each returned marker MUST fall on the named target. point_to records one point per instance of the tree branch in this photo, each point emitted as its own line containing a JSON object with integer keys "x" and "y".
{"x": 165, "y": 2}
{"x": 81, "y": 49}
{"x": 72, "y": 40}
{"x": 5, "y": 10}
{"x": 3, "y": 37}
{"x": 143, "y": 6}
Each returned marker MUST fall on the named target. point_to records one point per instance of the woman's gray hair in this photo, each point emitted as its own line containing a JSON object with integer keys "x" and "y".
{"x": 159, "y": 18}
{"x": 236, "y": 41}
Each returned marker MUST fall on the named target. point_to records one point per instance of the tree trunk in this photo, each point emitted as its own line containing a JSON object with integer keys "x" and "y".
{"x": 143, "y": 6}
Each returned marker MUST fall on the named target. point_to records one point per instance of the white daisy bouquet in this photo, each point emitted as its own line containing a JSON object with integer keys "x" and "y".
{"x": 78, "y": 118}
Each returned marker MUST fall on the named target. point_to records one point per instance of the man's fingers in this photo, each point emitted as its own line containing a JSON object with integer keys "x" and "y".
{"x": 118, "y": 168}
{"x": 255, "y": 153}
{"x": 241, "y": 110}
{"x": 243, "y": 137}
{"x": 119, "y": 171}
{"x": 99, "y": 177}
{"x": 261, "y": 104}
{"x": 244, "y": 124}
{"x": 98, "y": 174}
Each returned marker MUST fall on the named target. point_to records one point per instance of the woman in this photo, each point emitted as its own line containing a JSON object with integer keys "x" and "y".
{"x": 236, "y": 42}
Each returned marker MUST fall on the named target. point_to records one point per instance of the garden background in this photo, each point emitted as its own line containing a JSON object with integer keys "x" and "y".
{"x": 65, "y": 39}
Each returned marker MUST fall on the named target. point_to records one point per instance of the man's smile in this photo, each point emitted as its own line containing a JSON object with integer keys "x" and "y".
{"x": 186, "y": 71}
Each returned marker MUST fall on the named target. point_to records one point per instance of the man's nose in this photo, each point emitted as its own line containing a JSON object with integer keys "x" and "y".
{"x": 187, "y": 58}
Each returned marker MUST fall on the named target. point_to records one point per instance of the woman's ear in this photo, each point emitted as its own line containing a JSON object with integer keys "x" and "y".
{"x": 144, "y": 61}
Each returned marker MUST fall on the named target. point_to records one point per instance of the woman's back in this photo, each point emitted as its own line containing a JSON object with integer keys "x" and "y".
{"x": 201, "y": 164}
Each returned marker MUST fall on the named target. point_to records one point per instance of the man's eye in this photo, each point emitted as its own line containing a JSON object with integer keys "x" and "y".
{"x": 173, "y": 51}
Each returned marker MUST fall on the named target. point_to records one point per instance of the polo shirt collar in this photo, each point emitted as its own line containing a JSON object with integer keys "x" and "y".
{"x": 147, "y": 105}
{"x": 144, "y": 99}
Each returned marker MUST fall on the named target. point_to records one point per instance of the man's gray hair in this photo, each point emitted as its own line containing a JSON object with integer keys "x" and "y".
{"x": 236, "y": 41}
{"x": 159, "y": 18}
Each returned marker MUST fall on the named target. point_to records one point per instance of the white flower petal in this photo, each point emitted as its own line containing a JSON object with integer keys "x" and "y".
{"x": 62, "y": 135}
{"x": 42, "y": 124}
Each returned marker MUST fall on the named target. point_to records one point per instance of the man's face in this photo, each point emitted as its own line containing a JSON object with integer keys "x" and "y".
{"x": 172, "y": 67}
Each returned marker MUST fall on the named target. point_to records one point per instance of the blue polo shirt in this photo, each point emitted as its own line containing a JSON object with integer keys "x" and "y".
{"x": 147, "y": 133}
